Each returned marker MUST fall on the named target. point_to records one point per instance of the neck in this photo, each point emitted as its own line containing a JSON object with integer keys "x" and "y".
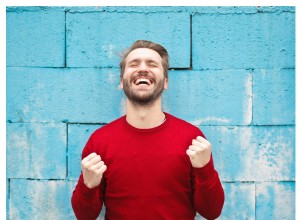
{"x": 144, "y": 117}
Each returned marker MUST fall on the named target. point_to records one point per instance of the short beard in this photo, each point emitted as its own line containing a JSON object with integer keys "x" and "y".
{"x": 146, "y": 99}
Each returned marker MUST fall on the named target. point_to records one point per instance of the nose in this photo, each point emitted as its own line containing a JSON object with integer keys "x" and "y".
{"x": 143, "y": 67}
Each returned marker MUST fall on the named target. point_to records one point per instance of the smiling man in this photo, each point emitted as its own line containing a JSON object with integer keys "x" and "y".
{"x": 147, "y": 164}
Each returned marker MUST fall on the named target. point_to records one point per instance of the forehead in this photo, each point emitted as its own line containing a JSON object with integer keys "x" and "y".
{"x": 143, "y": 54}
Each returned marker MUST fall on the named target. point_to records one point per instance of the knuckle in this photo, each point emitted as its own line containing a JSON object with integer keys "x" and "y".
{"x": 208, "y": 146}
{"x": 99, "y": 172}
{"x": 83, "y": 163}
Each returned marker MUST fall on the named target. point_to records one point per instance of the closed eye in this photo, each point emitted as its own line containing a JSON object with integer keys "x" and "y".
{"x": 152, "y": 64}
{"x": 133, "y": 64}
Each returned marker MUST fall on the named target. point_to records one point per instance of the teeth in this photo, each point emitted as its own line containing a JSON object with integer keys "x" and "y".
{"x": 142, "y": 80}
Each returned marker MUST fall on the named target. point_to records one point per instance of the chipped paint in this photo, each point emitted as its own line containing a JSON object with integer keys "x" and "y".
{"x": 275, "y": 200}
{"x": 112, "y": 78}
{"x": 18, "y": 146}
{"x": 272, "y": 156}
{"x": 14, "y": 212}
{"x": 239, "y": 85}
{"x": 109, "y": 49}
{"x": 242, "y": 198}
{"x": 26, "y": 110}
{"x": 210, "y": 119}
{"x": 248, "y": 100}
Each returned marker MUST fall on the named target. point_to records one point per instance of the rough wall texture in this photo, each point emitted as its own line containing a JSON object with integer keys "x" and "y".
{"x": 232, "y": 74}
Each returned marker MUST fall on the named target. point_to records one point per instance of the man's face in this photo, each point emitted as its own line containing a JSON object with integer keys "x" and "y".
{"x": 143, "y": 80}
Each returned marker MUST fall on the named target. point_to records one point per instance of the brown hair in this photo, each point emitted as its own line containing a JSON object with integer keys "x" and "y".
{"x": 150, "y": 45}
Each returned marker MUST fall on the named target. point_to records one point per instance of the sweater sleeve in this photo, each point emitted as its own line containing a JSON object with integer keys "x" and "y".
{"x": 208, "y": 191}
{"x": 87, "y": 203}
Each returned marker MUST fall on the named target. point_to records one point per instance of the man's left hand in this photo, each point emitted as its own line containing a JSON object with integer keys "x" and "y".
{"x": 199, "y": 152}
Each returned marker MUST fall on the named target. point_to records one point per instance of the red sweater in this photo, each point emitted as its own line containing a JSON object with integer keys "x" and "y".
{"x": 149, "y": 175}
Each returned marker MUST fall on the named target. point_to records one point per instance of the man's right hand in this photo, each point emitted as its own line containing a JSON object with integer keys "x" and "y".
{"x": 92, "y": 170}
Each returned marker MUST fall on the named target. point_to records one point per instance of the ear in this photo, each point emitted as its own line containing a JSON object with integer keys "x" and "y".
{"x": 166, "y": 84}
{"x": 121, "y": 83}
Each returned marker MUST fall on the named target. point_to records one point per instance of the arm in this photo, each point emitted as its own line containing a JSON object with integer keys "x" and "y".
{"x": 86, "y": 202}
{"x": 87, "y": 198}
{"x": 208, "y": 193}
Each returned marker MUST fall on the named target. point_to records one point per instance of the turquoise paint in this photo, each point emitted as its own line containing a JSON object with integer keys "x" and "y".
{"x": 40, "y": 199}
{"x": 240, "y": 201}
{"x": 35, "y": 38}
{"x": 36, "y": 151}
{"x": 274, "y": 97}
{"x": 275, "y": 200}
{"x": 253, "y": 153}
{"x": 56, "y": 95}
{"x": 62, "y": 84}
{"x": 242, "y": 41}
{"x": 159, "y": 9}
{"x": 94, "y": 42}
{"x": 78, "y": 135}
{"x": 194, "y": 96}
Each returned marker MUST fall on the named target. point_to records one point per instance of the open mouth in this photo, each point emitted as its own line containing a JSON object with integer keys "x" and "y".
{"x": 142, "y": 81}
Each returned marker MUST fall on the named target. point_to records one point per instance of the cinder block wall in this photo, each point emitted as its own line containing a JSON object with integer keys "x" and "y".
{"x": 232, "y": 74}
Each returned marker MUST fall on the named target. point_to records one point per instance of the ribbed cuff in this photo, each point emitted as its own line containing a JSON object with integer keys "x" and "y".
{"x": 205, "y": 172}
{"x": 87, "y": 192}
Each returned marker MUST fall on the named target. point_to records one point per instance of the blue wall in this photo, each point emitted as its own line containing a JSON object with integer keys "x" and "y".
{"x": 233, "y": 75}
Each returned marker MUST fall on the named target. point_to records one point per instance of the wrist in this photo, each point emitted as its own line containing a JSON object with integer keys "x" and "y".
{"x": 206, "y": 171}
{"x": 86, "y": 190}
{"x": 87, "y": 185}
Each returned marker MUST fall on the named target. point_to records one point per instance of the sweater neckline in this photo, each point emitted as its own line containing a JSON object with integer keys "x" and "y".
{"x": 147, "y": 130}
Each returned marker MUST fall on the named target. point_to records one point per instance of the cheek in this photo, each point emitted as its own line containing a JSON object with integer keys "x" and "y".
{"x": 128, "y": 73}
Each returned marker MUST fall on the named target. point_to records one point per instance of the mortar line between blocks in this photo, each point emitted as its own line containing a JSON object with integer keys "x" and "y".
{"x": 255, "y": 202}
{"x": 191, "y": 42}
{"x": 8, "y": 196}
{"x": 65, "y": 57}
{"x": 67, "y": 149}
{"x": 252, "y": 97}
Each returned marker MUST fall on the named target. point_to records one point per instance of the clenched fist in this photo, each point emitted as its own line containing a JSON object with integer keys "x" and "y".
{"x": 199, "y": 152}
{"x": 92, "y": 170}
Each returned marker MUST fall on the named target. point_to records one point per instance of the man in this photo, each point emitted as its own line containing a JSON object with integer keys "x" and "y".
{"x": 147, "y": 164}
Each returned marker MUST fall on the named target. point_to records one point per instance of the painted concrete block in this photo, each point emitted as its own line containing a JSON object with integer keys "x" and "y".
{"x": 253, "y": 153}
{"x": 241, "y": 41}
{"x": 96, "y": 39}
{"x": 239, "y": 201}
{"x": 159, "y": 9}
{"x": 210, "y": 97}
{"x": 274, "y": 97}
{"x": 275, "y": 200}
{"x": 78, "y": 135}
{"x": 68, "y": 95}
{"x": 40, "y": 199}
{"x": 36, "y": 150}
{"x": 239, "y": 9}
{"x": 255, "y": 163}
{"x": 35, "y": 38}
{"x": 4, "y": 215}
